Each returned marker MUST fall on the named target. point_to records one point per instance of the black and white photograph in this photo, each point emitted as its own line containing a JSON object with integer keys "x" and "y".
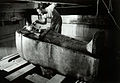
{"x": 59, "y": 41}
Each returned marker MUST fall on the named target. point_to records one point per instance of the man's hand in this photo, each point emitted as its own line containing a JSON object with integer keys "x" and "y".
{"x": 34, "y": 23}
{"x": 41, "y": 21}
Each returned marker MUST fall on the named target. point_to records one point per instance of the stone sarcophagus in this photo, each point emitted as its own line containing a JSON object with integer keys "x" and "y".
{"x": 64, "y": 54}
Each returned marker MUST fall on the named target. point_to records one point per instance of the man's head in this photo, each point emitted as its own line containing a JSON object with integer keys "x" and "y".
{"x": 41, "y": 8}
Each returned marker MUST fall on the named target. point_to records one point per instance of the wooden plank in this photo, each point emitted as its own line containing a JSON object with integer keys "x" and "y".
{"x": 56, "y": 79}
{"x": 7, "y": 58}
{"x": 35, "y": 78}
{"x": 16, "y": 65}
{"x": 20, "y": 72}
{"x": 81, "y": 2}
{"x": 9, "y": 62}
{"x": 10, "y": 56}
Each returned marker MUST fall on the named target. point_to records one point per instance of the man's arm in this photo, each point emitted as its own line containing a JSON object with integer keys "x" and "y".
{"x": 44, "y": 33}
{"x": 41, "y": 21}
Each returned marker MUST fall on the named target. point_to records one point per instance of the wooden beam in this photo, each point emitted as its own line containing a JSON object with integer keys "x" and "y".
{"x": 21, "y": 7}
{"x": 6, "y": 62}
{"x": 56, "y": 79}
{"x": 82, "y": 2}
{"x": 9, "y": 66}
{"x": 64, "y": 1}
{"x": 20, "y": 72}
{"x": 17, "y": 64}
{"x": 35, "y": 78}
{"x": 11, "y": 55}
{"x": 18, "y": 5}
{"x": 86, "y": 2}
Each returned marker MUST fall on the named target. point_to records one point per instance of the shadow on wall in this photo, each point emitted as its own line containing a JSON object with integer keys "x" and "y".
{"x": 7, "y": 36}
{"x": 7, "y": 47}
{"x": 8, "y": 25}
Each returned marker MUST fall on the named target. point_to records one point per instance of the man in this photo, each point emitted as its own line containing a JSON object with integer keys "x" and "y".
{"x": 50, "y": 12}
{"x": 56, "y": 23}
